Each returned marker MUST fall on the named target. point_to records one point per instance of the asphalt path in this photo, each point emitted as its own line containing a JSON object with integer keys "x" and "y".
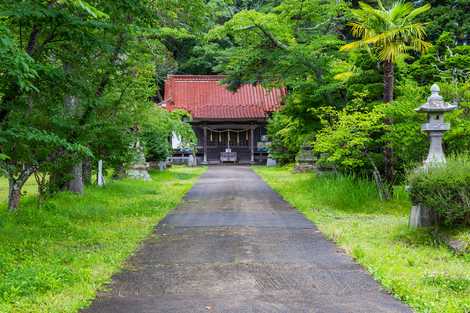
{"x": 234, "y": 246}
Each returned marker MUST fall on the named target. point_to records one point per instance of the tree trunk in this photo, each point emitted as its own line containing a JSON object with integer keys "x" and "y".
{"x": 383, "y": 190}
{"x": 15, "y": 186}
{"x": 389, "y": 167}
{"x": 76, "y": 183}
{"x": 87, "y": 166}
{"x": 389, "y": 77}
{"x": 14, "y": 196}
{"x": 71, "y": 104}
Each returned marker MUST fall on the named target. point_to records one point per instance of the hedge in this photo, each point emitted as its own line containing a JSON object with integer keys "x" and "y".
{"x": 444, "y": 189}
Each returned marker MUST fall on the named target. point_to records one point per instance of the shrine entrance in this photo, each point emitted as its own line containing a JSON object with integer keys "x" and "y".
{"x": 230, "y": 143}
{"x": 230, "y": 126}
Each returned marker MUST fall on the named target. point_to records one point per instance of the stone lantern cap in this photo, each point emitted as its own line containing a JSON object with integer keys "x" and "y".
{"x": 436, "y": 103}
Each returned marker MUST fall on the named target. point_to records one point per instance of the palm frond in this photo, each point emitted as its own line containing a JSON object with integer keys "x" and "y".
{"x": 358, "y": 30}
{"x": 370, "y": 11}
{"x": 400, "y": 10}
{"x": 353, "y": 45}
{"x": 392, "y": 32}
{"x": 406, "y": 33}
{"x": 381, "y": 5}
{"x": 418, "y": 11}
{"x": 390, "y": 52}
{"x": 420, "y": 45}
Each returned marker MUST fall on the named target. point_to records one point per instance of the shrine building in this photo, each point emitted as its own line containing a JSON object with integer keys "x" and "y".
{"x": 230, "y": 126}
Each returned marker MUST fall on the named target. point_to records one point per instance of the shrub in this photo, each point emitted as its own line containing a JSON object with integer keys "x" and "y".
{"x": 444, "y": 189}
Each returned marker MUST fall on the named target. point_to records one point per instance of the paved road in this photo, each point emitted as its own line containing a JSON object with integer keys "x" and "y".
{"x": 233, "y": 246}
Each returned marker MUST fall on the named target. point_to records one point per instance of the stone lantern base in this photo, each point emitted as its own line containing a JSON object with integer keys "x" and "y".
{"x": 139, "y": 171}
{"x": 303, "y": 167}
{"x": 305, "y": 161}
{"x": 421, "y": 216}
{"x": 270, "y": 162}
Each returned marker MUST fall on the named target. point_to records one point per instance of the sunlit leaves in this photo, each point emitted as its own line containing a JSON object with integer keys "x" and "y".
{"x": 392, "y": 32}
{"x": 16, "y": 64}
{"x": 85, "y": 6}
{"x": 347, "y": 142}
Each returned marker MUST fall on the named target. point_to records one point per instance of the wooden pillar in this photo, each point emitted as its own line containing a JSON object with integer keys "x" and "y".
{"x": 205, "y": 145}
{"x": 252, "y": 144}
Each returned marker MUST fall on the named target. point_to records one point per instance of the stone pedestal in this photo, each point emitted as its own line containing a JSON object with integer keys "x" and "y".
{"x": 271, "y": 162}
{"x": 192, "y": 161}
{"x": 421, "y": 216}
{"x": 304, "y": 160}
{"x": 138, "y": 172}
{"x": 139, "y": 169}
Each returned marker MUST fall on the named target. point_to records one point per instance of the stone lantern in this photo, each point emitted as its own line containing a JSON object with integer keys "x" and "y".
{"x": 139, "y": 168}
{"x": 304, "y": 159}
{"x": 436, "y": 126}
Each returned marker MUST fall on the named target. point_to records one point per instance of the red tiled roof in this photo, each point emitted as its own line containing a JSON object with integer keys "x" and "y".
{"x": 205, "y": 98}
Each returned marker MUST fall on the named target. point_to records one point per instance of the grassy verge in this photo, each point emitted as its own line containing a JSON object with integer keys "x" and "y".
{"x": 54, "y": 259}
{"x": 410, "y": 264}
{"x": 29, "y": 189}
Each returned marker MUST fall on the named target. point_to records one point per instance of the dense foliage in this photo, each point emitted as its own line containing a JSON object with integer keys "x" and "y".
{"x": 159, "y": 128}
{"x": 444, "y": 189}
{"x": 336, "y": 100}
{"x": 77, "y": 79}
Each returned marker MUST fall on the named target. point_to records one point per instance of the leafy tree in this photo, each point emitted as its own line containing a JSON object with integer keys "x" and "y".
{"x": 291, "y": 45}
{"x": 448, "y": 63}
{"x": 32, "y": 125}
{"x": 79, "y": 76}
{"x": 391, "y": 33}
{"x": 160, "y": 127}
{"x": 283, "y": 130}
{"x": 452, "y": 16}
{"x": 351, "y": 144}
{"x": 404, "y": 136}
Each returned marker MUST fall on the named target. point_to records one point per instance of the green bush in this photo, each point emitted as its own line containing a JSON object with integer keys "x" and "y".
{"x": 445, "y": 189}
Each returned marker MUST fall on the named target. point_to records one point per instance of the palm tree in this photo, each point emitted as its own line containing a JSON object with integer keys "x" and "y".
{"x": 391, "y": 33}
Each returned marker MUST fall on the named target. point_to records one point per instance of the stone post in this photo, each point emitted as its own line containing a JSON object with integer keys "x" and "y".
{"x": 205, "y": 146}
{"x": 99, "y": 177}
{"x": 252, "y": 144}
{"x": 436, "y": 126}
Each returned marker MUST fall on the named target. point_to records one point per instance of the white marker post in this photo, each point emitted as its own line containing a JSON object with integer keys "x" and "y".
{"x": 100, "y": 177}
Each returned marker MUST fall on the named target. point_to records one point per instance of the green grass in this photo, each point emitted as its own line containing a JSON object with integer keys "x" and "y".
{"x": 29, "y": 188}
{"x": 55, "y": 258}
{"x": 411, "y": 264}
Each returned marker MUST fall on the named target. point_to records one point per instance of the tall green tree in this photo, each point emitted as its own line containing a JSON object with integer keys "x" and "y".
{"x": 78, "y": 76}
{"x": 390, "y": 33}
{"x": 294, "y": 45}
